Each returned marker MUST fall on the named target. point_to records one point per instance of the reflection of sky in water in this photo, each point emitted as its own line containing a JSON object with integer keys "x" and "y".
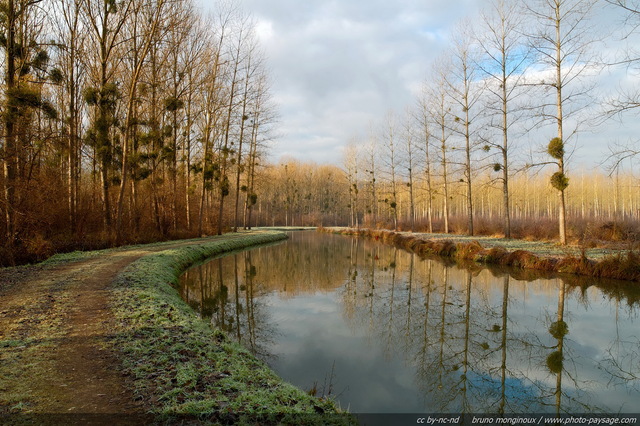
{"x": 313, "y": 335}
{"x": 380, "y": 353}
{"x": 592, "y": 333}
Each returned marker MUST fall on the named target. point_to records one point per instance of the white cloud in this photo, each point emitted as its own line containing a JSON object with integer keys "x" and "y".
{"x": 339, "y": 65}
{"x": 264, "y": 31}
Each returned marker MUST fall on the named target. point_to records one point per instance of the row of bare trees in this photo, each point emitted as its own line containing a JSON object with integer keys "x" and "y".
{"x": 510, "y": 95}
{"x": 127, "y": 120}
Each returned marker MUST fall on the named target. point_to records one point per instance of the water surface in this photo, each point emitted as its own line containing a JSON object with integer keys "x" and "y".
{"x": 384, "y": 331}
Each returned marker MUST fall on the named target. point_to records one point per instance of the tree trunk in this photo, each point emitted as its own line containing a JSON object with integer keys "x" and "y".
{"x": 10, "y": 153}
{"x": 428, "y": 178}
{"x": 562, "y": 216}
{"x": 445, "y": 183}
{"x": 468, "y": 169}
{"x": 243, "y": 118}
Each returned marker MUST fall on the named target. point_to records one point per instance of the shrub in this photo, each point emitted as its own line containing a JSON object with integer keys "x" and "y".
{"x": 521, "y": 259}
{"x": 468, "y": 250}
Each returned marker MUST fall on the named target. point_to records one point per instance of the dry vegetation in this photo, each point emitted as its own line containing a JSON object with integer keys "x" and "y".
{"x": 620, "y": 265}
{"x": 126, "y": 122}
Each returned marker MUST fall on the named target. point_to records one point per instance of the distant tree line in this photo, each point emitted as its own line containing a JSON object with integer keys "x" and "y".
{"x": 127, "y": 120}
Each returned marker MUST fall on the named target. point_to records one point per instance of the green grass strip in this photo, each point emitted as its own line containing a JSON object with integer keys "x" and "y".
{"x": 184, "y": 368}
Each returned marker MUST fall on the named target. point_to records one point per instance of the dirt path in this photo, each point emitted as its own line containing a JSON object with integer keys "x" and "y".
{"x": 54, "y": 324}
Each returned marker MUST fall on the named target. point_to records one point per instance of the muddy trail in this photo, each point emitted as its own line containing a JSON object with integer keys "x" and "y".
{"x": 55, "y": 326}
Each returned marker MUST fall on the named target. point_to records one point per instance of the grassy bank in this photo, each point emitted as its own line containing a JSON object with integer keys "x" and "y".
{"x": 620, "y": 265}
{"x": 181, "y": 366}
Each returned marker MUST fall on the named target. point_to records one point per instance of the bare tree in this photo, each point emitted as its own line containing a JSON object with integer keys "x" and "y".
{"x": 187, "y": 74}
{"x": 211, "y": 112}
{"x": 253, "y": 72}
{"x": 71, "y": 69}
{"x": 504, "y": 63}
{"x": 236, "y": 59}
{"x": 262, "y": 119}
{"x": 24, "y": 71}
{"x": 372, "y": 180}
{"x": 564, "y": 44}
{"x": 410, "y": 157}
{"x": 465, "y": 94}
{"x": 440, "y": 114}
{"x": 147, "y": 27}
{"x": 105, "y": 21}
{"x": 391, "y": 160}
{"x": 182, "y": 51}
{"x": 424, "y": 118}
{"x": 351, "y": 163}
{"x": 627, "y": 100}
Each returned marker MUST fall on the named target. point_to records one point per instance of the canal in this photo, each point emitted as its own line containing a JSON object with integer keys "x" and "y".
{"x": 383, "y": 331}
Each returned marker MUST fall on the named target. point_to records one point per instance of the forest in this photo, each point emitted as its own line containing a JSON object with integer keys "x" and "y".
{"x": 127, "y": 121}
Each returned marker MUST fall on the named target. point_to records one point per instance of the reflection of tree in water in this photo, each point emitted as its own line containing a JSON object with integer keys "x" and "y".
{"x": 555, "y": 360}
{"x": 231, "y": 289}
{"x": 623, "y": 364}
{"x": 225, "y": 291}
{"x": 623, "y": 360}
{"x": 559, "y": 370}
{"x": 454, "y": 327}
{"x": 455, "y": 333}
{"x": 408, "y": 311}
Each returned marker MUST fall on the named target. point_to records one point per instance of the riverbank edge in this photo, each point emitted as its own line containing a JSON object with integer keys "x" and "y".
{"x": 620, "y": 265}
{"x": 182, "y": 367}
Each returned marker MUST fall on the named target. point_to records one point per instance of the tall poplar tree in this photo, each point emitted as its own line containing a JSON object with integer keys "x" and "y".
{"x": 504, "y": 62}
{"x": 564, "y": 43}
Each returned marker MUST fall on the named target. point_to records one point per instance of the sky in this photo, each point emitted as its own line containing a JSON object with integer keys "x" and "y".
{"x": 339, "y": 66}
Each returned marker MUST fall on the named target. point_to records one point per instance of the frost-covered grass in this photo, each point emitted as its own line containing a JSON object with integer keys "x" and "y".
{"x": 82, "y": 255}
{"x": 287, "y": 228}
{"x": 182, "y": 367}
{"x": 541, "y": 248}
{"x": 74, "y": 256}
{"x": 27, "y": 338}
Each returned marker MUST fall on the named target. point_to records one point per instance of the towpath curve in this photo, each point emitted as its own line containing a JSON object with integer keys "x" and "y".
{"x": 55, "y": 325}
